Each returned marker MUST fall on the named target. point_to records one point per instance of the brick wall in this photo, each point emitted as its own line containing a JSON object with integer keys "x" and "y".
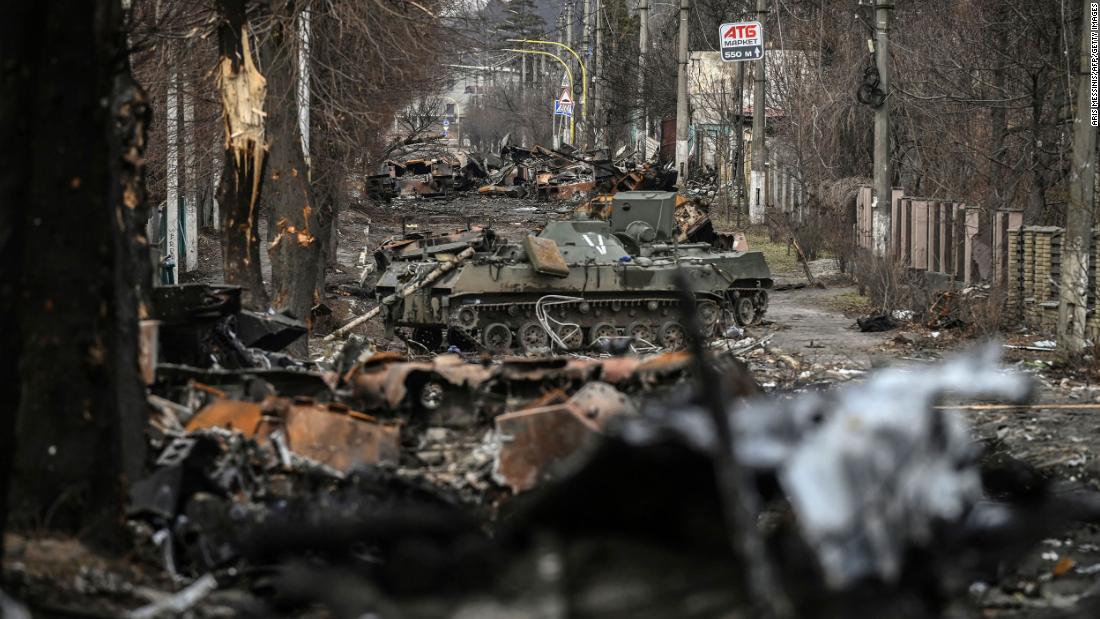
{"x": 1034, "y": 277}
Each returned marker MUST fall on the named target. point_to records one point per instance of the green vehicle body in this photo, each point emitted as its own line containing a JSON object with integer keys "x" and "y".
{"x": 579, "y": 283}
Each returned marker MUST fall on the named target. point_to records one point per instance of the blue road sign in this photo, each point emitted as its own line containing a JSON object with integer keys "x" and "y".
{"x": 563, "y": 108}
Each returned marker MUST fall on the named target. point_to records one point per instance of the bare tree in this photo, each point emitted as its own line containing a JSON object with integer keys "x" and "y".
{"x": 295, "y": 246}
{"x": 244, "y": 93}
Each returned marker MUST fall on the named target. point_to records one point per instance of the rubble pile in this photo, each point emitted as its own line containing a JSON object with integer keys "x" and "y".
{"x": 238, "y": 424}
{"x": 446, "y": 486}
{"x": 562, "y": 174}
{"x": 624, "y": 480}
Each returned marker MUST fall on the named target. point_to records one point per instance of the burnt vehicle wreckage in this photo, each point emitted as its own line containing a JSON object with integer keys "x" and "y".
{"x": 618, "y": 483}
{"x": 576, "y": 284}
{"x": 564, "y": 174}
{"x": 593, "y": 442}
{"x": 446, "y": 486}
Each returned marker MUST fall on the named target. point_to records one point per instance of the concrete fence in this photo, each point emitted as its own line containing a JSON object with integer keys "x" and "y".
{"x": 941, "y": 236}
{"x": 944, "y": 237}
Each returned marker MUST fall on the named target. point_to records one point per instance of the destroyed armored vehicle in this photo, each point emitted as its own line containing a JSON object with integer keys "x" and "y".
{"x": 577, "y": 283}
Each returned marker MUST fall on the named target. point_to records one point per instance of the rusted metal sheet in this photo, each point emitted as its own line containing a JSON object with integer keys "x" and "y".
{"x": 328, "y": 433}
{"x": 458, "y": 372}
{"x": 662, "y": 365}
{"x": 244, "y": 417}
{"x": 148, "y": 347}
{"x": 532, "y": 442}
{"x": 553, "y": 397}
{"x": 566, "y": 191}
{"x": 386, "y": 385}
{"x": 617, "y": 369}
{"x": 387, "y": 382}
{"x": 335, "y": 436}
{"x": 424, "y": 185}
{"x": 598, "y": 402}
{"x": 451, "y": 389}
{"x": 545, "y": 257}
{"x": 668, "y": 140}
{"x": 512, "y": 191}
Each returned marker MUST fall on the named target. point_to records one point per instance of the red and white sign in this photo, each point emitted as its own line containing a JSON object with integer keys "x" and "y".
{"x": 742, "y": 41}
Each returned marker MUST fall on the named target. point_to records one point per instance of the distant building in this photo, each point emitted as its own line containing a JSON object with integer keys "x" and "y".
{"x": 713, "y": 95}
{"x": 442, "y": 113}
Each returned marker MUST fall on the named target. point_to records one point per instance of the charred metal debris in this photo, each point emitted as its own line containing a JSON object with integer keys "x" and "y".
{"x": 564, "y": 174}
{"x": 376, "y": 484}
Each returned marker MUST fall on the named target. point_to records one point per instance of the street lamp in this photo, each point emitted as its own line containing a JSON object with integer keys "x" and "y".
{"x": 584, "y": 72}
{"x": 568, "y": 72}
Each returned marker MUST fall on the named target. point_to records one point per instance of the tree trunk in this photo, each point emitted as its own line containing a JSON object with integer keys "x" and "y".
{"x": 1033, "y": 213}
{"x": 326, "y": 192}
{"x": 1077, "y": 244}
{"x": 190, "y": 181}
{"x": 243, "y": 90}
{"x": 75, "y": 266}
{"x": 997, "y": 196}
{"x": 293, "y": 226}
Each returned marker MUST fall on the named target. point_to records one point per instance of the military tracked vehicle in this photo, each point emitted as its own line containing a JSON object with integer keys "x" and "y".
{"x": 575, "y": 284}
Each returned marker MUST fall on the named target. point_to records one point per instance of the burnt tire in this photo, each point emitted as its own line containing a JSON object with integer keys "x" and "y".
{"x": 640, "y": 331}
{"x": 709, "y": 315}
{"x": 673, "y": 336}
{"x": 532, "y": 337}
{"x": 602, "y": 330}
{"x": 572, "y": 336}
{"x": 761, "y": 305}
{"x": 744, "y": 310}
{"x": 497, "y": 338}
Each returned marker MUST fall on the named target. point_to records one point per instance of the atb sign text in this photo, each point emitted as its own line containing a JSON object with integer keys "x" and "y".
{"x": 742, "y": 41}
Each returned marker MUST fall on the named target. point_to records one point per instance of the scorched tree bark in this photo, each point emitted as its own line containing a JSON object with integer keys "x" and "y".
{"x": 73, "y": 124}
{"x": 293, "y": 226}
{"x": 243, "y": 91}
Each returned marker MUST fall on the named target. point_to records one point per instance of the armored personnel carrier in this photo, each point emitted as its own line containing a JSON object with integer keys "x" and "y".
{"x": 574, "y": 284}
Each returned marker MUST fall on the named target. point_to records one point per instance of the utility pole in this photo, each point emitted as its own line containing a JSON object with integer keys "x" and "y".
{"x": 569, "y": 24}
{"x": 563, "y": 38}
{"x": 597, "y": 83}
{"x": 586, "y": 30}
{"x": 880, "y": 205}
{"x": 682, "y": 119}
{"x": 1073, "y": 299}
{"x": 643, "y": 47}
{"x": 739, "y": 168}
{"x": 172, "y": 195}
{"x": 758, "y": 185}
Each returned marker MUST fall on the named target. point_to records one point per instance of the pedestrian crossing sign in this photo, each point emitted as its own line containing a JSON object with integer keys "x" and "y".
{"x": 563, "y": 107}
